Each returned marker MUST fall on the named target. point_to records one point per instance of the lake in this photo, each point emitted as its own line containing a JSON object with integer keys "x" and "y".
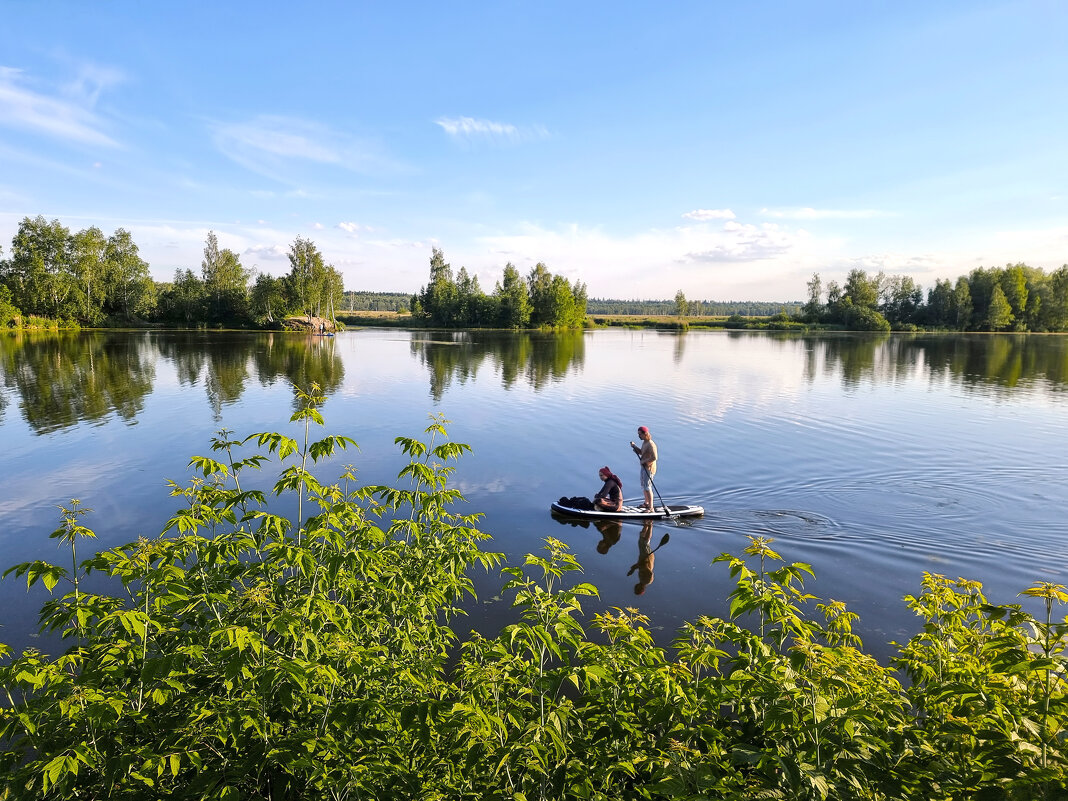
{"x": 873, "y": 458}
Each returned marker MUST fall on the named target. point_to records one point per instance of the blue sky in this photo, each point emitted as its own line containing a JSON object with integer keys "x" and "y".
{"x": 726, "y": 149}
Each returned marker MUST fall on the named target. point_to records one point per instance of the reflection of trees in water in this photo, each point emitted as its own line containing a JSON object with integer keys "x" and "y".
{"x": 225, "y": 361}
{"x": 303, "y": 360}
{"x": 1003, "y": 360}
{"x": 680, "y": 347}
{"x": 64, "y": 378}
{"x": 456, "y": 356}
{"x": 853, "y": 356}
{"x": 222, "y": 360}
{"x": 972, "y": 360}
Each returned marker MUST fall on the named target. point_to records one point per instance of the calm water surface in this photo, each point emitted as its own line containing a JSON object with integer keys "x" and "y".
{"x": 873, "y": 458}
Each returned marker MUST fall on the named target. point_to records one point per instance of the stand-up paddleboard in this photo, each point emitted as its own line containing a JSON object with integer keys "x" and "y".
{"x": 630, "y": 512}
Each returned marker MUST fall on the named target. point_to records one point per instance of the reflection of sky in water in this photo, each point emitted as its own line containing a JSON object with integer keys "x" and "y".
{"x": 872, "y": 459}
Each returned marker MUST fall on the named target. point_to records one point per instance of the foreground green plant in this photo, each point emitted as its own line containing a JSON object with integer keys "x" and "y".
{"x": 246, "y": 655}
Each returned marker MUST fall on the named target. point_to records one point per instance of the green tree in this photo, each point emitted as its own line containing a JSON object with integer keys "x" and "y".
{"x": 999, "y": 312}
{"x": 901, "y": 299}
{"x": 813, "y": 308}
{"x": 185, "y": 299}
{"x": 539, "y": 287}
{"x": 39, "y": 272}
{"x": 225, "y": 283}
{"x": 962, "y": 303}
{"x": 862, "y": 290}
{"x": 513, "y": 299}
{"x": 940, "y": 304}
{"x": 333, "y": 292}
{"x": 307, "y": 276}
{"x": 981, "y": 282}
{"x": 439, "y": 301}
{"x": 132, "y": 291}
{"x": 8, "y": 310}
{"x": 268, "y": 298}
{"x": 682, "y": 308}
{"x": 88, "y": 251}
{"x": 469, "y": 299}
{"x": 1014, "y": 284}
{"x": 1053, "y": 309}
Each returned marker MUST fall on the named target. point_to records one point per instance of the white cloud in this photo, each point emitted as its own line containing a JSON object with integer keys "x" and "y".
{"x": 268, "y": 252}
{"x": 469, "y": 128}
{"x": 822, "y": 214}
{"x": 72, "y": 120}
{"x": 709, "y": 214}
{"x": 354, "y": 227}
{"x": 737, "y": 260}
{"x": 744, "y": 243}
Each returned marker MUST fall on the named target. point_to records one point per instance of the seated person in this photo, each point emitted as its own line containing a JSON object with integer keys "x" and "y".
{"x": 610, "y": 496}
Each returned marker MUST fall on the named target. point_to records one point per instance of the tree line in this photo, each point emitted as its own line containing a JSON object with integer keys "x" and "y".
{"x": 540, "y": 299}
{"x": 92, "y": 279}
{"x": 1011, "y": 298}
{"x": 691, "y": 308}
{"x": 356, "y": 300}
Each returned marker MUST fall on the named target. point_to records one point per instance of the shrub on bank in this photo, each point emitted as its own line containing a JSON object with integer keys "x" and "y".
{"x": 251, "y": 656}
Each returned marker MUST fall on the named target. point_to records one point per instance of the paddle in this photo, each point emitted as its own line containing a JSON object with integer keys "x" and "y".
{"x": 667, "y": 511}
{"x": 663, "y": 542}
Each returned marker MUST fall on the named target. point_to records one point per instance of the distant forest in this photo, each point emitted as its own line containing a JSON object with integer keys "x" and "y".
{"x": 694, "y": 308}
{"x": 377, "y": 301}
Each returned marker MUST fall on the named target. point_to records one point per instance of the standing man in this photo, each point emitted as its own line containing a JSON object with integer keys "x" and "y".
{"x": 647, "y": 458}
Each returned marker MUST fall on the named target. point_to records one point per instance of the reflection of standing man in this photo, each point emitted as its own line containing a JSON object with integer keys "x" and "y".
{"x": 647, "y": 458}
{"x": 646, "y": 557}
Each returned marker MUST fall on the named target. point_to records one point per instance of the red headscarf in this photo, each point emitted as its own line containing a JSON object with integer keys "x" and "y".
{"x": 611, "y": 475}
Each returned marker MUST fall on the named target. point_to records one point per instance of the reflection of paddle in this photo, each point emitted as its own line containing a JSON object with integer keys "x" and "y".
{"x": 663, "y": 542}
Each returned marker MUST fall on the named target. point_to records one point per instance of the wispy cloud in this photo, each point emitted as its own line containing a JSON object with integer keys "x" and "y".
{"x": 274, "y": 146}
{"x": 91, "y": 81}
{"x": 69, "y": 118}
{"x": 471, "y": 129}
{"x": 709, "y": 214}
{"x": 276, "y": 137}
{"x": 822, "y": 214}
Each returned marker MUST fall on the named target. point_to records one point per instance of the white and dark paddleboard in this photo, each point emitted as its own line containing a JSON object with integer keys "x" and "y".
{"x": 630, "y": 512}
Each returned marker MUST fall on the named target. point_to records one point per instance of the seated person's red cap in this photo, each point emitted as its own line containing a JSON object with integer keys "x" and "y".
{"x": 643, "y": 429}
